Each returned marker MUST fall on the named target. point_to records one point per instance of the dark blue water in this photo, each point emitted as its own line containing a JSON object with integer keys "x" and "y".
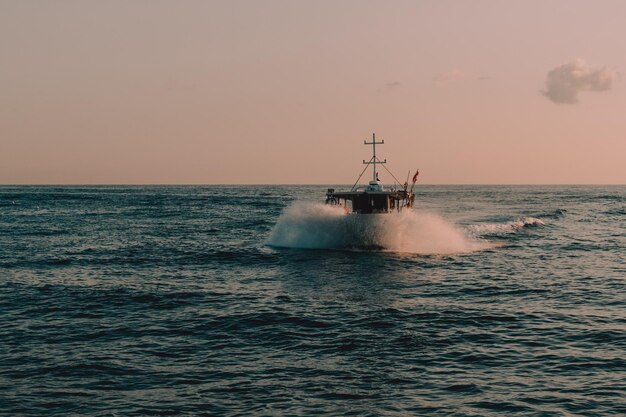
{"x": 168, "y": 300}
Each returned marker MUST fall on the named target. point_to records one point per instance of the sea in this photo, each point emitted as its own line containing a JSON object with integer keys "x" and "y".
{"x": 260, "y": 301}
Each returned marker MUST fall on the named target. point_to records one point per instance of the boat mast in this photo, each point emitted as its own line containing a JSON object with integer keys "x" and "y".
{"x": 373, "y": 160}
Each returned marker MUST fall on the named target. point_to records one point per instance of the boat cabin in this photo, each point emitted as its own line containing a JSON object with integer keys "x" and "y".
{"x": 370, "y": 202}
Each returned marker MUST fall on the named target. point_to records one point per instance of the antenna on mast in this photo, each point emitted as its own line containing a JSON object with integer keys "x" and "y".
{"x": 373, "y": 159}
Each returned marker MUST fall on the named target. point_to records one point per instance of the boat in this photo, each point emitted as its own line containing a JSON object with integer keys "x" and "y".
{"x": 374, "y": 198}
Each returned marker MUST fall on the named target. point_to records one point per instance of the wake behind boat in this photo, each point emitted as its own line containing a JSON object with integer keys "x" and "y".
{"x": 374, "y": 198}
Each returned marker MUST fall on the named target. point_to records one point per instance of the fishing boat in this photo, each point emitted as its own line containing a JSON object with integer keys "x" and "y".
{"x": 374, "y": 198}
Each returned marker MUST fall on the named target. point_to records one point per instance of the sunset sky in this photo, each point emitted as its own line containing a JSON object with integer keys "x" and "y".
{"x": 220, "y": 92}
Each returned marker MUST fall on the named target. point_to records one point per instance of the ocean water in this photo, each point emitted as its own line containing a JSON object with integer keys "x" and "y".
{"x": 256, "y": 300}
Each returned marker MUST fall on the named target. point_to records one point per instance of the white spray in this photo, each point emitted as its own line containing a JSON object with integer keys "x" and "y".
{"x": 307, "y": 225}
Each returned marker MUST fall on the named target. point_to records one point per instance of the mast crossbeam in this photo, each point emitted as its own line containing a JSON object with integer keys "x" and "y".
{"x": 374, "y": 160}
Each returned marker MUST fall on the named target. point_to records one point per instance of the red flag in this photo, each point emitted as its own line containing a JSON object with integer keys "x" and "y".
{"x": 417, "y": 172}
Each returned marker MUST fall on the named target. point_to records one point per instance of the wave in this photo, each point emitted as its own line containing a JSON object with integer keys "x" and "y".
{"x": 554, "y": 214}
{"x": 320, "y": 226}
{"x": 508, "y": 227}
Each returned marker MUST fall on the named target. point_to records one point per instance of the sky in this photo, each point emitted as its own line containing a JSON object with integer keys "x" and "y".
{"x": 285, "y": 92}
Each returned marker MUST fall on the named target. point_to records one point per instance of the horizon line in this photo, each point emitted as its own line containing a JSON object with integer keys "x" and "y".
{"x": 286, "y": 184}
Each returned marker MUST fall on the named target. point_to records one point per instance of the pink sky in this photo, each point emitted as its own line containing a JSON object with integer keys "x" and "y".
{"x": 213, "y": 92}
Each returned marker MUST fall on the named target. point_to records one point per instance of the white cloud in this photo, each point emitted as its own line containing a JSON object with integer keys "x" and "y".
{"x": 565, "y": 81}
